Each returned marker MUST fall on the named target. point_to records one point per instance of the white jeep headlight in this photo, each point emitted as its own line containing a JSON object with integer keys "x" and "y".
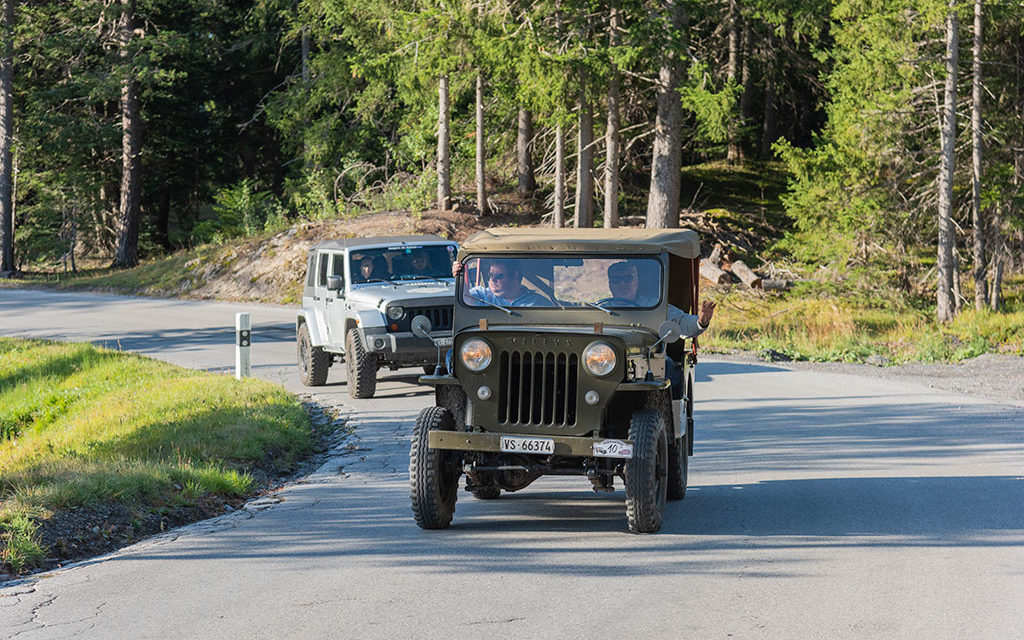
{"x": 475, "y": 354}
{"x": 396, "y": 312}
{"x": 599, "y": 358}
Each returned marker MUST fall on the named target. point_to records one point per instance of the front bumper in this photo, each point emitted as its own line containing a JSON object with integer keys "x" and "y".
{"x": 491, "y": 442}
{"x": 403, "y": 346}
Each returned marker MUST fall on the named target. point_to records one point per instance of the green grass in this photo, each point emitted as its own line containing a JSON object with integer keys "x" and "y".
{"x": 834, "y": 325}
{"x": 171, "y": 275}
{"x": 86, "y": 427}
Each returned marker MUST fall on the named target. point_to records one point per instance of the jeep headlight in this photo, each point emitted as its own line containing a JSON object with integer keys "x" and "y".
{"x": 396, "y": 312}
{"x": 475, "y": 354}
{"x": 599, "y": 358}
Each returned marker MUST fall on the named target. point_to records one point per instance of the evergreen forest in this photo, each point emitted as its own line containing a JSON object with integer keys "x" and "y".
{"x": 133, "y": 128}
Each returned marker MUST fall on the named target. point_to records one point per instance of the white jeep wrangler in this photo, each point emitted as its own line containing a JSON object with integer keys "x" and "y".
{"x": 359, "y": 300}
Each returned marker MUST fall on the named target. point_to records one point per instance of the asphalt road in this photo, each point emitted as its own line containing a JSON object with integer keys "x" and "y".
{"x": 821, "y": 505}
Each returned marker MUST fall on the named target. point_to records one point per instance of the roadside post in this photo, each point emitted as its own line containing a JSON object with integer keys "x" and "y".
{"x": 243, "y": 340}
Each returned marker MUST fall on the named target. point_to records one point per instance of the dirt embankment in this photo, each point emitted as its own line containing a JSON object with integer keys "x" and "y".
{"x": 270, "y": 270}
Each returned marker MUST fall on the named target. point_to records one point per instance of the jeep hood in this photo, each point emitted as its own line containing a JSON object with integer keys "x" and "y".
{"x": 414, "y": 292}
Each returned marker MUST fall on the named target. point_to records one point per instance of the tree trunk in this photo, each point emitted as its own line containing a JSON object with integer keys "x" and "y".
{"x": 585, "y": 163}
{"x": 481, "y": 185}
{"x": 980, "y": 290}
{"x": 666, "y": 156}
{"x": 611, "y": 136}
{"x": 558, "y": 216}
{"x": 7, "y": 139}
{"x": 444, "y": 153}
{"x": 527, "y": 183}
{"x": 128, "y": 232}
{"x": 769, "y": 130}
{"x": 734, "y": 155}
{"x": 945, "y": 306}
{"x": 747, "y": 97}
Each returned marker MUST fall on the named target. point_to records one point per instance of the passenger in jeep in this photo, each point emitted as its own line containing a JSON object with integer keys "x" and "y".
{"x": 504, "y": 286}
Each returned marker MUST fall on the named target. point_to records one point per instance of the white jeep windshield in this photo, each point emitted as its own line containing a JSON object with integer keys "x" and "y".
{"x": 405, "y": 262}
{"x": 583, "y": 282}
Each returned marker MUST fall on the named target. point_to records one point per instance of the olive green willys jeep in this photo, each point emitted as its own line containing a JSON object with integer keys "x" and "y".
{"x": 564, "y": 362}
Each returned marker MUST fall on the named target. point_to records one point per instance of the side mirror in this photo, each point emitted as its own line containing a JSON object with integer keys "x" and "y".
{"x": 335, "y": 283}
{"x": 421, "y": 327}
{"x": 669, "y": 331}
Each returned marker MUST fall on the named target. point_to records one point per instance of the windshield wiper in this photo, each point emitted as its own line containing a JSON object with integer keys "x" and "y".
{"x": 493, "y": 304}
{"x": 597, "y": 306}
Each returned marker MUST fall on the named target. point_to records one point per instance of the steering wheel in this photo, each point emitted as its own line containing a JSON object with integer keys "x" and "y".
{"x": 619, "y": 302}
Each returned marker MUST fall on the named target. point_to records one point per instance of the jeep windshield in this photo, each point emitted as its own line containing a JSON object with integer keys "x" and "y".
{"x": 568, "y": 282}
{"x": 402, "y": 263}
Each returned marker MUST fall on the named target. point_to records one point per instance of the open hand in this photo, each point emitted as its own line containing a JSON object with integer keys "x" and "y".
{"x": 707, "y": 310}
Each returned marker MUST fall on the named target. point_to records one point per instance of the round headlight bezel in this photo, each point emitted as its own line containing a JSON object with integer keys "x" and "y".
{"x": 599, "y": 359}
{"x": 395, "y": 312}
{"x": 481, "y": 360}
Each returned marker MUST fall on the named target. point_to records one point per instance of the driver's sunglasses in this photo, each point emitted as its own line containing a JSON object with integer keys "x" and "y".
{"x": 618, "y": 279}
{"x": 497, "y": 276}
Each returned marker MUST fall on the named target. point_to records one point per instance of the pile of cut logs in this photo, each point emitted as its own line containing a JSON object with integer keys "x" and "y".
{"x": 717, "y": 270}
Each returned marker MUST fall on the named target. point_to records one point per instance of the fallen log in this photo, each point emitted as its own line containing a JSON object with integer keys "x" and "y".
{"x": 775, "y": 284}
{"x": 746, "y": 274}
{"x": 713, "y": 273}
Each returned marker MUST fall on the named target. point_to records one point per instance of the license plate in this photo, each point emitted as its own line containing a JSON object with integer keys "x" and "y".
{"x": 445, "y": 341}
{"x": 514, "y": 444}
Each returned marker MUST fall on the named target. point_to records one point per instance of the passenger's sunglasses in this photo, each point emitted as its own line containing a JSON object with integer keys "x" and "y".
{"x": 618, "y": 279}
{"x": 497, "y": 276}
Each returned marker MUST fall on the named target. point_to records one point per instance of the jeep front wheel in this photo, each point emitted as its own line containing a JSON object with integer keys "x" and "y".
{"x": 362, "y": 367}
{"x": 433, "y": 475}
{"x": 646, "y": 472}
{"x": 313, "y": 361}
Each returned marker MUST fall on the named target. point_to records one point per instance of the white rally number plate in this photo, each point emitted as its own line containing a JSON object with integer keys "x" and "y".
{"x": 613, "y": 449}
{"x": 515, "y": 444}
{"x": 444, "y": 341}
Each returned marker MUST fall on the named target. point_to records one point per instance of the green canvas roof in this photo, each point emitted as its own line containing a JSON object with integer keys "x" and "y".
{"x": 680, "y": 242}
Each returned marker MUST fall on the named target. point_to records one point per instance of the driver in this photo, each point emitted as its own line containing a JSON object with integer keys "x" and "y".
{"x": 624, "y": 283}
{"x": 420, "y": 264}
{"x": 504, "y": 286}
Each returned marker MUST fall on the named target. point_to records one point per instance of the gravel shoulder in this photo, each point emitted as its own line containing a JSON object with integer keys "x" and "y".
{"x": 991, "y": 376}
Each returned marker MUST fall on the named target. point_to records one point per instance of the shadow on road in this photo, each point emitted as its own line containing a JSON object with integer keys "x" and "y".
{"x": 841, "y": 493}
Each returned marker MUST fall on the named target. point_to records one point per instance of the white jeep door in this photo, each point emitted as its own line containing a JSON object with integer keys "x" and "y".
{"x": 335, "y": 303}
{"x": 322, "y": 298}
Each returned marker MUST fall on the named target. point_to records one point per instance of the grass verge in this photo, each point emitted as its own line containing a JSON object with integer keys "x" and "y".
{"x": 98, "y": 447}
{"x": 847, "y": 326}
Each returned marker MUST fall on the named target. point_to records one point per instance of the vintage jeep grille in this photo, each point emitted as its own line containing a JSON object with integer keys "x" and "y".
{"x": 440, "y": 317}
{"x": 537, "y": 388}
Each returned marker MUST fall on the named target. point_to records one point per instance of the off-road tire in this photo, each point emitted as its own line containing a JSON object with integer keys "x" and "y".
{"x": 487, "y": 493}
{"x": 646, "y": 472}
{"x": 433, "y": 475}
{"x": 313, "y": 361}
{"x": 678, "y": 467}
{"x": 362, "y": 367}
{"x": 688, "y": 413}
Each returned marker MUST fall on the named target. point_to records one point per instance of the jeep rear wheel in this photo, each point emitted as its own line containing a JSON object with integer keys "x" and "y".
{"x": 433, "y": 473}
{"x": 646, "y": 472}
{"x": 313, "y": 361}
{"x": 678, "y": 467}
{"x": 362, "y": 367}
